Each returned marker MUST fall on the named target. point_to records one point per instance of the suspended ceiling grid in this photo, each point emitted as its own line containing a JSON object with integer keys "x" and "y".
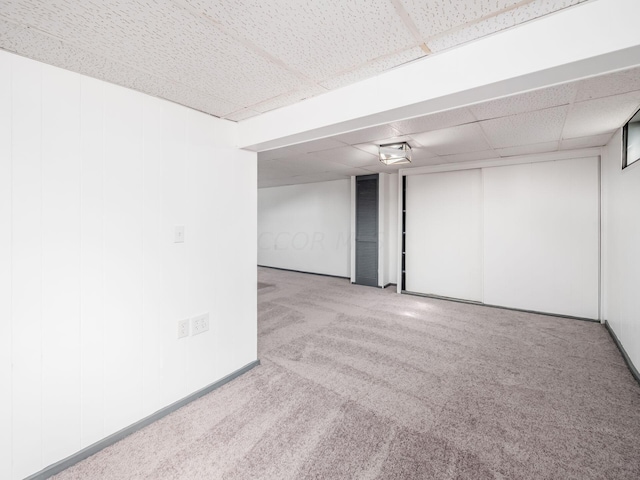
{"x": 238, "y": 58}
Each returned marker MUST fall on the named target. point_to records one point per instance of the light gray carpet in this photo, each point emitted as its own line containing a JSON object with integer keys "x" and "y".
{"x": 361, "y": 383}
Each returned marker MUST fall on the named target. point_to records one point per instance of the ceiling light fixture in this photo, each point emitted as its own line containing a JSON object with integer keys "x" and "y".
{"x": 395, "y": 153}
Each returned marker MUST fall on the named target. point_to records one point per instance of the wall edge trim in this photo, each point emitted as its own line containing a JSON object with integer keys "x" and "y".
{"x": 627, "y": 360}
{"x": 86, "y": 452}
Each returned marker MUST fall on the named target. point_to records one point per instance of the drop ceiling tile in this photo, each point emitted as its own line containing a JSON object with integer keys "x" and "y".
{"x": 525, "y": 128}
{"x": 300, "y": 149}
{"x": 313, "y": 38}
{"x": 372, "y": 68}
{"x": 241, "y": 115}
{"x": 307, "y": 164}
{"x": 500, "y": 21}
{"x": 421, "y": 153}
{"x": 162, "y": 40}
{"x": 33, "y": 44}
{"x": 528, "y": 149}
{"x": 452, "y": 140}
{"x": 435, "y": 121}
{"x": 594, "y": 117}
{"x": 611, "y": 84}
{"x": 307, "y": 91}
{"x": 316, "y": 177}
{"x": 368, "y": 135}
{"x": 347, "y": 156}
{"x": 470, "y": 156}
{"x": 525, "y": 102}
{"x": 586, "y": 142}
{"x": 433, "y": 17}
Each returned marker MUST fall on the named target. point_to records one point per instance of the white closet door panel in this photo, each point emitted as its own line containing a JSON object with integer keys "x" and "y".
{"x": 541, "y": 237}
{"x": 444, "y": 234}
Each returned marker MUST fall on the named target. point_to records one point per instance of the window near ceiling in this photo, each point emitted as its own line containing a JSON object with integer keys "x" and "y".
{"x": 631, "y": 141}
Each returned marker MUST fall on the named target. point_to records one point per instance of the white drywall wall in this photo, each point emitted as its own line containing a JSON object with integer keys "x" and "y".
{"x": 306, "y": 227}
{"x": 621, "y": 247}
{"x": 541, "y": 236}
{"x": 93, "y": 180}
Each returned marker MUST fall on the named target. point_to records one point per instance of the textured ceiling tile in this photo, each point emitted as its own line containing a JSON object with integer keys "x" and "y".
{"x": 241, "y": 115}
{"x": 300, "y": 149}
{"x": 611, "y": 84}
{"x": 372, "y": 68}
{"x": 449, "y": 141}
{"x": 586, "y": 142}
{"x": 317, "y": 39}
{"x": 33, "y": 44}
{"x": 163, "y": 40}
{"x": 433, "y": 17}
{"x": 436, "y": 121}
{"x": 528, "y": 149}
{"x": 307, "y": 91}
{"x": 470, "y": 156}
{"x": 496, "y": 23}
{"x": 367, "y": 135}
{"x": 348, "y": 156}
{"x": 601, "y": 115}
{"x": 525, "y": 102}
{"x": 525, "y": 128}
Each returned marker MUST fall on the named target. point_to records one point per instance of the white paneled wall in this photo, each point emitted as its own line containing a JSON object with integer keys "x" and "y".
{"x": 93, "y": 180}
{"x": 444, "y": 234}
{"x": 621, "y": 247}
{"x": 521, "y": 236}
{"x": 541, "y": 236}
{"x": 306, "y": 227}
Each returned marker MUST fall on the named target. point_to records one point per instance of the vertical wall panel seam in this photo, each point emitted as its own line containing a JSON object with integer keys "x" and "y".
{"x": 11, "y": 207}
{"x": 80, "y": 191}
{"x": 142, "y": 210}
{"x": 41, "y": 270}
{"x": 103, "y": 174}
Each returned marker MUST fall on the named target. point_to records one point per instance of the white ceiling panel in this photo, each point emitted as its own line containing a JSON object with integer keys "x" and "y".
{"x": 162, "y": 40}
{"x": 348, "y": 156}
{"x": 593, "y": 117}
{"x": 34, "y": 44}
{"x": 528, "y": 149}
{"x": 436, "y": 121}
{"x": 307, "y": 91}
{"x": 372, "y": 68}
{"x": 241, "y": 115}
{"x": 433, "y": 17}
{"x": 525, "y": 102}
{"x": 453, "y": 140}
{"x": 525, "y": 128}
{"x": 372, "y": 134}
{"x": 605, "y": 85}
{"x": 470, "y": 156}
{"x": 586, "y": 142}
{"x": 495, "y": 23}
{"x": 300, "y": 149}
{"x": 317, "y": 39}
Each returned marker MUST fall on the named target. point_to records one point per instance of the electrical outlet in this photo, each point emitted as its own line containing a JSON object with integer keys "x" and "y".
{"x": 200, "y": 324}
{"x": 183, "y": 328}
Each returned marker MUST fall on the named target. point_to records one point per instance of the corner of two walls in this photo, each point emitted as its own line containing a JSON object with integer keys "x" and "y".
{"x": 309, "y": 227}
{"x": 621, "y": 247}
{"x": 93, "y": 180}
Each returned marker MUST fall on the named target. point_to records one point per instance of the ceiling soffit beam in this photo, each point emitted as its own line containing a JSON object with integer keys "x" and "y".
{"x": 590, "y": 39}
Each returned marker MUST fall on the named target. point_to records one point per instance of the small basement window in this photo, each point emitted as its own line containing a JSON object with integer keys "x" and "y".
{"x": 631, "y": 141}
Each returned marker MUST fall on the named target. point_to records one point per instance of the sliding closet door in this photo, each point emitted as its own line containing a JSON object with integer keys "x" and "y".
{"x": 541, "y": 224}
{"x": 444, "y": 234}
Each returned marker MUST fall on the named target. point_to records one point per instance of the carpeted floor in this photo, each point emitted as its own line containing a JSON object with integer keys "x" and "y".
{"x": 361, "y": 383}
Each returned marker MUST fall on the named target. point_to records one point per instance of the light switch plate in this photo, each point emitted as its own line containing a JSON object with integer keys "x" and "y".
{"x": 178, "y": 236}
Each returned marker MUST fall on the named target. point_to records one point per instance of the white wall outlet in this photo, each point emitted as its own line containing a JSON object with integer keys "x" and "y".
{"x": 200, "y": 324}
{"x": 178, "y": 234}
{"x": 183, "y": 328}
